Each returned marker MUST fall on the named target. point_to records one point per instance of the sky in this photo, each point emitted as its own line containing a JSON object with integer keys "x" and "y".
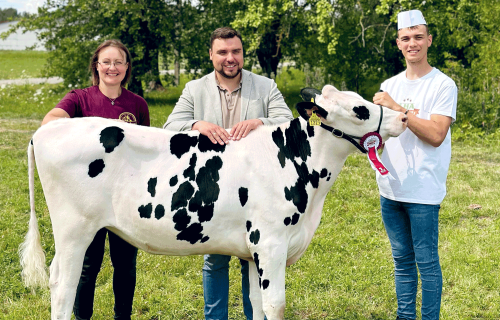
{"x": 30, "y": 6}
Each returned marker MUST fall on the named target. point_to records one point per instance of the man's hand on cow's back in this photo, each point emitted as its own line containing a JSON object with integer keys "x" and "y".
{"x": 243, "y": 128}
{"x": 384, "y": 99}
{"x": 215, "y": 133}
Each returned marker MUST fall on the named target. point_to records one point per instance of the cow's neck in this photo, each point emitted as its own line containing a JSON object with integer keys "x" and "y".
{"x": 318, "y": 158}
{"x": 328, "y": 151}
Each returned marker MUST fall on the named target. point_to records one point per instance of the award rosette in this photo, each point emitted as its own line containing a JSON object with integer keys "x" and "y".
{"x": 372, "y": 141}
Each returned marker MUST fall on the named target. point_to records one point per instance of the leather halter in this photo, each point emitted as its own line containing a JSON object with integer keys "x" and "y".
{"x": 340, "y": 134}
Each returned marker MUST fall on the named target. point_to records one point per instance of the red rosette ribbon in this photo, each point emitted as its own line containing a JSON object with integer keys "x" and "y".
{"x": 371, "y": 142}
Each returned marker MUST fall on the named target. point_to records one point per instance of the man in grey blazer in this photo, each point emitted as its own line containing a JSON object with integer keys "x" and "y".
{"x": 235, "y": 99}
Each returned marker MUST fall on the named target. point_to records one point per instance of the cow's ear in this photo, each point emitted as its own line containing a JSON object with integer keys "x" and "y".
{"x": 305, "y": 109}
{"x": 309, "y": 94}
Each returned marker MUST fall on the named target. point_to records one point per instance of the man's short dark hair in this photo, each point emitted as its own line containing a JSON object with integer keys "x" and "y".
{"x": 224, "y": 33}
{"x": 415, "y": 27}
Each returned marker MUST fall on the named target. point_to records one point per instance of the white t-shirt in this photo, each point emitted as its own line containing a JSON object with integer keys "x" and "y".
{"x": 419, "y": 169}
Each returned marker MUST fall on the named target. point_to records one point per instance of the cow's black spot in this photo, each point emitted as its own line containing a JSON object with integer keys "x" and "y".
{"x": 297, "y": 145}
{"x": 329, "y": 176}
{"x": 206, "y": 145}
{"x": 111, "y": 138}
{"x": 302, "y": 171}
{"x": 189, "y": 172}
{"x": 173, "y": 181}
{"x": 243, "y": 193}
{"x": 265, "y": 284}
{"x": 203, "y": 201}
{"x": 362, "y": 112}
{"x": 192, "y": 234}
{"x": 145, "y": 211}
{"x": 279, "y": 140}
{"x": 295, "y": 218}
{"x": 31, "y": 141}
{"x": 181, "y": 143}
{"x": 96, "y": 167}
{"x": 257, "y": 263}
{"x": 182, "y": 195}
{"x": 255, "y": 236}
{"x": 195, "y": 203}
{"x": 323, "y": 173}
{"x": 207, "y": 179}
{"x": 314, "y": 178}
{"x": 205, "y": 213}
{"x": 287, "y": 221}
{"x": 249, "y": 225}
{"x": 152, "y": 186}
{"x": 181, "y": 219}
{"x": 288, "y": 194}
{"x": 298, "y": 195}
{"x": 159, "y": 212}
{"x": 310, "y": 131}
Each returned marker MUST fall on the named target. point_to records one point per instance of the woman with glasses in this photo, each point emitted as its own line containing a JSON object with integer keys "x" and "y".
{"x": 111, "y": 69}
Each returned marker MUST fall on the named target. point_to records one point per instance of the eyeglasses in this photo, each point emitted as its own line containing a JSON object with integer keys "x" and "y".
{"x": 107, "y": 64}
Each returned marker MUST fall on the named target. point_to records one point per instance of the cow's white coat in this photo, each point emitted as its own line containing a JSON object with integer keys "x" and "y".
{"x": 79, "y": 205}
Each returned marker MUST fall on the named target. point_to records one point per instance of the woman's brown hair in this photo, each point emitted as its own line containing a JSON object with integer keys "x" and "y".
{"x": 95, "y": 57}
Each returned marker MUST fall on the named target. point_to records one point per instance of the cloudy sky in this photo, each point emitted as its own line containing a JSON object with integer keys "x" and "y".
{"x": 30, "y": 6}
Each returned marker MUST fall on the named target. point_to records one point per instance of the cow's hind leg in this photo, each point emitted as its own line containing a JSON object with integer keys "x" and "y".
{"x": 65, "y": 271}
{"x": 270, "y": 265}
{"x": 255, "y": 294}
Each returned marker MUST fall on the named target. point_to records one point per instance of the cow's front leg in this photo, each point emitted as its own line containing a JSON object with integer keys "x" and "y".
{"x": 270, "y": 265}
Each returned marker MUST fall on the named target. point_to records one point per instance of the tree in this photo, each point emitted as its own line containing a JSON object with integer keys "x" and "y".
{"x": 74, "y": 28}
{"x": 349, "y": 45}
{"x": 8, "y": 14}
{"x": 270, "y": 29}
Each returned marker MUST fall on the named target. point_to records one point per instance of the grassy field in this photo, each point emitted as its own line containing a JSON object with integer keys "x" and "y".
{"x": 346, "y": 273}
{"x": 21, "y": 64}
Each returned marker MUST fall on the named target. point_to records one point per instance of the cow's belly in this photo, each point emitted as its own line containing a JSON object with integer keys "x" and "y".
{"x": 154, "y": 225}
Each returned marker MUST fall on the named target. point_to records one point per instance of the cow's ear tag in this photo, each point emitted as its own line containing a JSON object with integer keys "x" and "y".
{"x": 314, "y": 120}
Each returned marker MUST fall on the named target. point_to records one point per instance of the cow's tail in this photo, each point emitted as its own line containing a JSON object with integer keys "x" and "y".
{"x": 31, "y": 253}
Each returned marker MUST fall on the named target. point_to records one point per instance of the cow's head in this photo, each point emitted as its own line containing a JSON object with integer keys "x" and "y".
{"x": 349, "y": 112}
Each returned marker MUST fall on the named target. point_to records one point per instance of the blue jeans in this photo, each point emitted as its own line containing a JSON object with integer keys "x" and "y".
{"x": 123, "y": 257}
{"x": 216, "y": 287}
{"x": 413, "y": 232}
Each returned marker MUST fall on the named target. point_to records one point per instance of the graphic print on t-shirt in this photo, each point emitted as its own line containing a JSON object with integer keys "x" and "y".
{"x": 127, "y": 117}
{"x": 407, "y": 104}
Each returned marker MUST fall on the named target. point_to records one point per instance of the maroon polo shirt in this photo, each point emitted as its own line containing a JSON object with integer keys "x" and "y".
{"x": 91, "y": 102}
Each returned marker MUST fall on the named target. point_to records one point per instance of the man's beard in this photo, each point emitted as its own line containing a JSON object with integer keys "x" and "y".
{"x": 227, "y": 76}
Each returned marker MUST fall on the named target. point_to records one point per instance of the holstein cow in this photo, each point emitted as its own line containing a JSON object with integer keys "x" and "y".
{"x": 173, "y": 193}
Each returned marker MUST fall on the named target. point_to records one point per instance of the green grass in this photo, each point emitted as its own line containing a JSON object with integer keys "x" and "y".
{"x": 21, "y": 64}
{"x": 346, "y": 273}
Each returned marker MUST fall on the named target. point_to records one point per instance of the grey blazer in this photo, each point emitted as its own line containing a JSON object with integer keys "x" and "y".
{"x": 200, "y": 100}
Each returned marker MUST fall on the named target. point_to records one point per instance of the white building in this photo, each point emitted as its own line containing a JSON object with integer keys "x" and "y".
{"x": 18, "y": 40}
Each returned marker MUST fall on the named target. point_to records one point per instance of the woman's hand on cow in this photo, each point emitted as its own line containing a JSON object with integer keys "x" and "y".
{"x": 243, "y": 128}
{"x": 384, "y": 99}
{"x": 215, "y": 133}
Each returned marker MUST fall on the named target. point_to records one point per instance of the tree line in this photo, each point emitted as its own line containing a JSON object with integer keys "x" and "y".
{"x": 348, "y": 43}
{"x": 11, "y": 14}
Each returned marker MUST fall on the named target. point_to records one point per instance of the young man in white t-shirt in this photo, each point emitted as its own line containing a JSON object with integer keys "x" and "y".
{"x": 418, "y": 160}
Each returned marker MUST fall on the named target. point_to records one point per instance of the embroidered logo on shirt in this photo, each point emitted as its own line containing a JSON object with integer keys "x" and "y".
{"x": 127, "y": 117}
